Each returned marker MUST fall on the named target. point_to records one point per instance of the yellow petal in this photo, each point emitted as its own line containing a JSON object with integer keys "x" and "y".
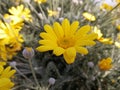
{"x": 48, "y": 43}
{"x": 44, "y": 48}
{"x": 10, "y": 74}
{"x": 2, "y": 63}
{"x": 106, "y": 40}
{"x": 6, "y": 72}
{"x": 83, "y": 30}
{"x": 58, "y": 51}
{"x": 47, "y": 36}
{"x": 1, "y": 69}
{"x": 4, "y": 81}
{"x": 92, "y": 36}
{"x": 58, "y": 30}
{"x": 85, "y": 42}
{"x": 49, "y": 30}
{"x": 66, "y": 27}
{"x": 74, "y": 26}
{"x": 69, "y": 55}
{"x": 2, "y": 34}
{"x": 81, "y": 50}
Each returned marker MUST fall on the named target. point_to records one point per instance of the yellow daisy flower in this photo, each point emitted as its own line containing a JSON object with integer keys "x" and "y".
{"x": 105, "y": 64}
{"x": 40, "y": 1}
{"x": 11, "y": 43}
{"x": 20, "y": 12}
{"x": 5, "y": 75}
{"x": 106, "y": 7}
{"x": 100, "y": 38}
{"x": 89, "y": 16}
{"x": 52, "y": 13}
{"x": 66, "y": 39}
{"x": 14, "y": 21}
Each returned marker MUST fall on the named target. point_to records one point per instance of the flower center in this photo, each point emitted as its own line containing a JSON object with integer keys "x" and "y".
{"x": 66, "y": 42}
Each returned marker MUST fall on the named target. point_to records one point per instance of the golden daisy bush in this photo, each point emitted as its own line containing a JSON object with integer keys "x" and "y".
{"x": 66, "y": 39}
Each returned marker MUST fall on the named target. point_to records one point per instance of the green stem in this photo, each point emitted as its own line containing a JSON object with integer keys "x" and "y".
{"x": 21, "y": 73}
{"x": 43, "y": 13}
{"x": 33, "y": 72}
{"x": 34, "y": 10}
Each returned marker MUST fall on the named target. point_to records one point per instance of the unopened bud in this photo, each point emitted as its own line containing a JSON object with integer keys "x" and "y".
{"x": 51, "y": 81}
{"x": 13, "y": 64}
{"x": 28, "y": 52}
{"x": 91, "y": 64}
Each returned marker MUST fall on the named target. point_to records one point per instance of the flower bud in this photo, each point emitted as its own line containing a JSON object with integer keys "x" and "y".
{"x": 13, "y": 64}
{"x": 91, "y": 64}
{"x": 28, "y": 52}
{"x": 51, "y": 81}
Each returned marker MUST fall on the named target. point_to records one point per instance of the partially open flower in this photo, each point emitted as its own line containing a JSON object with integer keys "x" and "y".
{"x": 105, "y": 64}
{"x": 28, "y": 52}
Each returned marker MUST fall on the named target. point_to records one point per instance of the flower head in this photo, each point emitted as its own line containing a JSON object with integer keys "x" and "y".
{"x": 89, "y": 16}
{"x": 10, "y": 41}
{"x": 100, "y": 38}
{"x": 5, "y": 76}
{"x": 105, "y": 64}
{"x": 106, "y": 7}
{"x": 20, "y": 13}
{"x": 66, "y": 39}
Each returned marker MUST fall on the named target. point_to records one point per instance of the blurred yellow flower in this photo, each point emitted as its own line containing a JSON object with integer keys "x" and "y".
{"x": 106, "y": 6}
{"x": 100, "y": 38}
{"x": 52, "y": 13}
{"x": 118, "y": 27}
{"x": 89, "y": 16}
{"x": 117, "y": 44}
{"x": 2, "y": 63}
{"x": 66, "y": 39}
{"x": 118, "y": 1}
{"x": 5, "y": 75}
{"x": 12, "y": 41}
{"x": 40, "y": 1}
{"x": 14, "y": 21}
{"x": 105, "y": 64}
{"x": 20, "y": 12}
